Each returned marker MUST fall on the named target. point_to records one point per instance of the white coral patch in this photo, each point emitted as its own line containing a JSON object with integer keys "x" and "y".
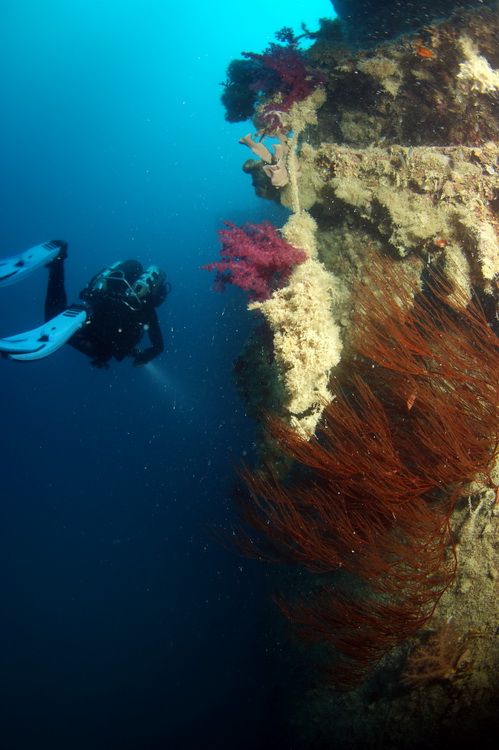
{"x": 488, "y": 250}
{"x": 475, "y": 73}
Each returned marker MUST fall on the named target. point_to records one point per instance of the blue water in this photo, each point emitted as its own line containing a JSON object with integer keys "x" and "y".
{"x": 123, "y": 625}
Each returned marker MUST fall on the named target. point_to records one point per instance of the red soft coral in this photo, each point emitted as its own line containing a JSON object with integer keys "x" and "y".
{"x": 282, "y": 70}
{"x": 255, "y": 258}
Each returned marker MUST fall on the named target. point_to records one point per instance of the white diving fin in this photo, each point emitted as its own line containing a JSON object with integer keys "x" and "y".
{"x": 17, "y": 267}
{"x": 46, "y": 339}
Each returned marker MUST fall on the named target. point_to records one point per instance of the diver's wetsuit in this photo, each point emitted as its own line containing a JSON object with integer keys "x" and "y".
{"x": 113, "y": 329}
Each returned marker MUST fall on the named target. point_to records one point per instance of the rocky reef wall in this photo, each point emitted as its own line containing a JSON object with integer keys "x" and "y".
{"x": 389, "y": 160}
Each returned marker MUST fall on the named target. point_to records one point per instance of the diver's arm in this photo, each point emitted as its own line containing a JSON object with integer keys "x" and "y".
{"x": 156, "y": 338}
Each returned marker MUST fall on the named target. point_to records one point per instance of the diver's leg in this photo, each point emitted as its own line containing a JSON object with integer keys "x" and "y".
{"x": 55, "y": 301}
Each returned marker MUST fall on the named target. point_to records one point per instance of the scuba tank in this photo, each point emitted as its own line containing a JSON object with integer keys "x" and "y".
{"x": 113, "y": 282}
{"x": 151, "y": 286}
{"x": 128, "y": 282}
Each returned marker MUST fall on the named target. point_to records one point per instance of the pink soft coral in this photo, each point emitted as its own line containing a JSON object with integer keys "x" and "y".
{"x": 255, "y": 258}
{"x": 281, "y": 70}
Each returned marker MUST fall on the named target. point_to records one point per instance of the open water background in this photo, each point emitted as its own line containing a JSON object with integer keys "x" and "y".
{"x": 123, "y": 625}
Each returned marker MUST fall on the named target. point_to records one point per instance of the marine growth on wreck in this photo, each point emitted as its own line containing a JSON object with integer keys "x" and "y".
{"x": 374, "y": 369}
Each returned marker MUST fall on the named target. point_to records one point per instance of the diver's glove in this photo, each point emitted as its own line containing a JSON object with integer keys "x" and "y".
{"x": 99, "y": 364}
{"x": 140, "y": 358}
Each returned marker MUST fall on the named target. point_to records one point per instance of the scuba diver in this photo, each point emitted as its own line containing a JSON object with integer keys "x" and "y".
{"x": 117, "y": 306}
